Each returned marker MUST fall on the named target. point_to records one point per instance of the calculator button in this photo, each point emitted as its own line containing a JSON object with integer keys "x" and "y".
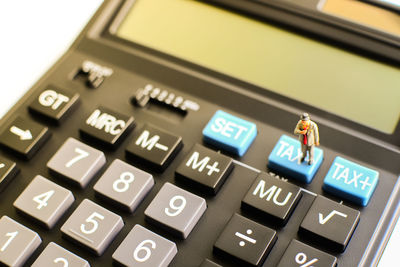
{"x": 245, "y": 240}
{"x": 8, "y": 170}
{"x": 330, "y": 223}
{"x": 230, "y": 133}
{"x": 144, "y": 248}
{"x": 54, "y": 103}
{"x": 285, "y": 158}
{"x": 54, "y": 255}
{"x": 92, "y": 226}
{"x": 106, "y": 126}
{"x": 176, "y": 209}
{"x": 208, "y": 263}
{"x": 351, "y": 181}
{"x": 17, "y": 242}
{"x": 272, "y": 197}
{"x": 44, "y": 200}
{"x": 24, "y": 137}
{"x": 124, "y": 184}
{"x": 154, "y": 146}
{"x": 76, "y": 162}
{"x": 300, "y": 254}
{"x": 204, "y": 168}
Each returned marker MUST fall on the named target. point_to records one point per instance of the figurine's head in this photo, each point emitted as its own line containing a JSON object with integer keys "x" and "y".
{"x": 305, "y": 120}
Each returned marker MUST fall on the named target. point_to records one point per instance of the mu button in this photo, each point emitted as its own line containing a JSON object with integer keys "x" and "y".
{"x": 205, "y": 169}
{"x": 153, "y": 146}
{"x": 272, "y": 197}
{"x": 24, "y": 137}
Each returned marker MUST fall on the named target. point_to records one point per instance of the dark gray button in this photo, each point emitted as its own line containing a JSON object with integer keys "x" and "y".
{"x": 205, "y": 169}
{"x": 154, "y": 147}
{"x": 106, "y": 126}
{"x": 54, "y": 255}
{"x": 92, "y": 226}
{"x": 44, "y": 200}
{"x": 124, "y": 184}
{"x": 208, "y": 263}
{"x": 330, "y": 223}
{"x": 17, "y": 242}
{"x": 54, "y": 103}
{"x": 24, "y": 137}
{"x": 272, "y": 197}
{"x": 76, "y": 162}
{"x": 144, "y": 248}
{"x": 176, "y": 209}
{"x": 8, "y": 170}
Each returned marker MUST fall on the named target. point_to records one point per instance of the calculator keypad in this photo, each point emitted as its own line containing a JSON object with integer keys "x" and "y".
{"x": 76, "y": 162}
{"x": 92, "y": 226}
{"x": 44, "y": 200}
{"x": 55, "y": 255}
{"x": 124, "y": 184}
{"x": 17, "y": 243}
{"x": 143, "y": 248}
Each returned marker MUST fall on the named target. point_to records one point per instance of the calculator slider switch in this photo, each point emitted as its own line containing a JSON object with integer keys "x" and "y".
{"x": 93, "y": 73}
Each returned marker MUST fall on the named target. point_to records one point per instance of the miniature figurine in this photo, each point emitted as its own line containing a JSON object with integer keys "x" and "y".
{"x": 308, "y": 137}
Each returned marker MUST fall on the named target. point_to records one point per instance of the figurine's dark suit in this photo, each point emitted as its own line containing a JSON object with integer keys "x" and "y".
{"x": 307, "y": 140}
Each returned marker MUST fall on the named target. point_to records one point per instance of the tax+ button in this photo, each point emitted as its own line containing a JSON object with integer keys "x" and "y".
{"x": 351, "y": 181}
{"x": 230, "y": 133}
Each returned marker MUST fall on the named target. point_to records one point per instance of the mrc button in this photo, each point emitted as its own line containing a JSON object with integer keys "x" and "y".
{"x": 106, "y": 126}
{"x": 285, "y": 157}
{"x": 230, "y": 133}
{"x": 351, "y": 181}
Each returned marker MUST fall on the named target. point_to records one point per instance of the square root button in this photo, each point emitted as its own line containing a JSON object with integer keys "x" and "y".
{"x": 285, "y": 160}
{"x": 230, "y": 133}
{"x": 351, "y": 181}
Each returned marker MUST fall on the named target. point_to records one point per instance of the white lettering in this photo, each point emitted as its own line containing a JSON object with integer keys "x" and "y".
{"x": 50, "y": 98}
{"x": 144, "y": 142}
{"x": 194, "y": 161}
{"x": 273, "y": 191}
{"x": 103, "y": 120}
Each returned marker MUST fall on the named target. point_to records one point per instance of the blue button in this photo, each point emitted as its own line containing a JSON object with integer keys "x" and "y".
{"x": 285, "y": 156}
{"x": 230, "y": 133}
{"x": 351, "y": 181}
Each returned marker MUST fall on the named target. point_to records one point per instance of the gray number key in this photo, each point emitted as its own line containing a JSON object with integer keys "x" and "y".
{"x": 17, "y": 242}
{"x": 92, "y": 226}
{"x": 54, "y": 255}
{"x": 77, "y": 162}
{"x": 144, "y": 248}
{"x": 44, "y": 200}
{"x": 176, "y": 209}
{"x": 124, "y": 184}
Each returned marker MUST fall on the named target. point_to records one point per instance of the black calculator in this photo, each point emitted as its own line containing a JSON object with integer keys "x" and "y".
{"x": 185, "y": 133}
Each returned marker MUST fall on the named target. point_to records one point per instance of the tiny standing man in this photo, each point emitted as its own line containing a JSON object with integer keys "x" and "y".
{"x": 308, "y": 137}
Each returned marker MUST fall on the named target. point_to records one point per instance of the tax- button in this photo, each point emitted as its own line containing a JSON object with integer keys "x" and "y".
{"x": 230, "y": 133}
{"x": 285, "y": 159}
{"x": 351, "y": 181}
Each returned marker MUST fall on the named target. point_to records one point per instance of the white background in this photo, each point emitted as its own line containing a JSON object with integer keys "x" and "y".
{"x": 34, "y": 34}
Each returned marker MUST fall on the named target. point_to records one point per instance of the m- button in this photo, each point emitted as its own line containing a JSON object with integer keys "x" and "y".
{"x": 230, "y": 133}
{"x": 106, "y": 126}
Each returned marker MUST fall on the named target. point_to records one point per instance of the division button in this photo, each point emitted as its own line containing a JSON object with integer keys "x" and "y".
{"x": 300, "y": 254}
{"x": 107, "y": 127}
{"x": 124, "y": 185}
{"x": 54, "y": 103}
{"x": 153, "y": 146}
{"x": 54, "y": 254}
{"x": 272, "y": 197}
{"x": 44, "y": 200}
{"x": 351, "y": 181}
{"x": 17, "y": 242}
{"x": 230, "y": 133}
{"x": 76, "y": 162}
{"x": 143, "y": 248}
{"x": 176, "y": 210}
{"x": 8, "y": 170}
{"x": 24, "y": 137}
{"x": 92, "y": 226}
{"x": 330, "y": 223}
{"x": 285, "y": 160}
{"x": 245, "y": 240}
{"x": 204, "y": 168}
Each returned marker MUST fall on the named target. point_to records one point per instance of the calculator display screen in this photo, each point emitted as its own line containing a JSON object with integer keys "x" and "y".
{"x": 314, "y": 73}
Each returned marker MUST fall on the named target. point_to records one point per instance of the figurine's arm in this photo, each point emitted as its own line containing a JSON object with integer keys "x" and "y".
{"x": 316, "y": 134}
{"x": 297, "y": 129}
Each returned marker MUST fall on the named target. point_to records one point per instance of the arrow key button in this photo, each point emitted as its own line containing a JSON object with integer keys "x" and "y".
{"x": 24, "y": 137}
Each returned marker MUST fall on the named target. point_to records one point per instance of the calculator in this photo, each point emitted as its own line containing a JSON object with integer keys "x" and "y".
{"x": 165, "y": 136}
